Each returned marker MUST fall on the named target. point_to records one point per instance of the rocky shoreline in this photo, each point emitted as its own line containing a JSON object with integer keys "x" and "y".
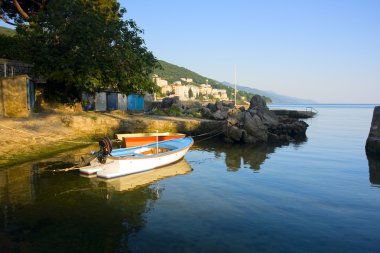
{"x": 256, "y": 124}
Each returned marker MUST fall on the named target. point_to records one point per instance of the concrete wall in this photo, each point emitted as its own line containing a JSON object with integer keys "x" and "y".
{"x": 14, "y": 96}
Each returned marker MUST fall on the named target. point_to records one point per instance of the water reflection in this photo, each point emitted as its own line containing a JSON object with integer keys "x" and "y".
{"x": 42, "y": 211}
{"x": 374, "y": 169}
{"x": 134, "y": 181}
{"x": 242, "y": 155}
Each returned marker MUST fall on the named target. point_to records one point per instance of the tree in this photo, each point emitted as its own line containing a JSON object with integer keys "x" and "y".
{"x": 85, "y": 45}
{"x": 16, "y": 12}
{"x": 11, "y": 48}
{"x": 191, "y": 93}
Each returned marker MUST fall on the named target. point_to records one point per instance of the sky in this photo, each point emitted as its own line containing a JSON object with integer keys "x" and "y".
{"x": 324, "y": 50}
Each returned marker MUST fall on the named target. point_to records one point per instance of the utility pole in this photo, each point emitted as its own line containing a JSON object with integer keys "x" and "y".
{"x": 235, "y": 83}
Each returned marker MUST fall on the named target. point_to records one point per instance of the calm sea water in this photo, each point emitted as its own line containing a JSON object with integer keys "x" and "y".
{"x": 320, "y": 195}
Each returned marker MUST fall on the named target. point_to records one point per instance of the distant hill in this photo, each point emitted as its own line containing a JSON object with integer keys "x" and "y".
{"x": 276, "y": 98}
{"x": 7, "y": 31}
{"x": 172, "y": 73}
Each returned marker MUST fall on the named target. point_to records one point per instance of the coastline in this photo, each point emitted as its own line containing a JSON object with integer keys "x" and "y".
{"x": 46, "y": 134}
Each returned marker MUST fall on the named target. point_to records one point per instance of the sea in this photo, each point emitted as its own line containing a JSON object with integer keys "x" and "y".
{"x": 321, "y": 194}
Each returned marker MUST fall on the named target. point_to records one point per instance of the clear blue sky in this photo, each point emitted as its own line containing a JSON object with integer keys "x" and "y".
{"x": 325, "y": 50}
{"x": 328, "y": 51}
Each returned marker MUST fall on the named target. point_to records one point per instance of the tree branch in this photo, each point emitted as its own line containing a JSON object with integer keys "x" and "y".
{"x": 37, "y": 3}
{"x": 6, "y": 21}
{"x": 20, "y": 10}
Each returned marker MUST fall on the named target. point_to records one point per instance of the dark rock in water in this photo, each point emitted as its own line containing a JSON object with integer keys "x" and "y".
{"x": 374, "y": 168}
{"x": 259, "y": 125}
{"x": 373, "y": 140}
{"x": 258, "y": 103}
{"x": 235, "y": 134}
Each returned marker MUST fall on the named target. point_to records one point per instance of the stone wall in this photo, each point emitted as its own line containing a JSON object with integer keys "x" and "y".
{"x": 14, "y": 96}
{"x": 109, "y": 124}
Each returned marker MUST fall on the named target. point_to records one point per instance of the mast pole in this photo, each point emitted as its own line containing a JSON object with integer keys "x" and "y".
{"x": 235, "y": 83}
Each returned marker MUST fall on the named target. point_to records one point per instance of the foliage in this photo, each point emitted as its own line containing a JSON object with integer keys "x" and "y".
{"x": 11, "y": 47}
{"x": 87, "y": 46}
{"x": 171, "y": 111}
{"x": 173, "y": 73}
{"x": 191, "y": 94}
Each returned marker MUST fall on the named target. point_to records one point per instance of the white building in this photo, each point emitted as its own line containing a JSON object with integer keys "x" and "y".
{"x": 219, "y": 94}
{"x": 183, "y": 92}
{"x": 159, "y": 81}
{"x": 167, "y": 89}
{"x": 205, "y": 89}
{"x": 187, "y": 80}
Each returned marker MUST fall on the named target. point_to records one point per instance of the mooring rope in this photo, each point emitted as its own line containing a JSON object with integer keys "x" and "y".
{"x": 211, "y": 132}
{"x": 211, "y": 136}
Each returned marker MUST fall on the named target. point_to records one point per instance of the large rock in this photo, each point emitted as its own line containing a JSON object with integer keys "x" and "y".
{"x": 258, "y": 103}
{"x": 235, "y": 134}
{"x": 260, "y": 125}
{"x": 373, "y": 140}
{"x": 169, "y": 102}
{"x": 255, "y": 128}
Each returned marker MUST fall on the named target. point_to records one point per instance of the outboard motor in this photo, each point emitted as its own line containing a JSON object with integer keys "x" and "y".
{"x": 105, "y": 146}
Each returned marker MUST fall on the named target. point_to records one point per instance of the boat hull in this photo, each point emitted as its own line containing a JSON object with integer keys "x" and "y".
{"x": 139, "y": 139}
{"x": 129, "y": 161}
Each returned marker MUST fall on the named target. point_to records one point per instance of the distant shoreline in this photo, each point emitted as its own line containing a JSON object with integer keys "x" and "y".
{"x": 326, "y": 105}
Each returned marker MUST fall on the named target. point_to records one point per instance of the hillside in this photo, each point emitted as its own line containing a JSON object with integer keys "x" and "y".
{"x": 174, "y": 73}
{"x": 7, "y": 31}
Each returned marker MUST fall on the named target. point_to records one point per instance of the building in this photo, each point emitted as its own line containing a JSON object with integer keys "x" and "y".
{"x": 219, "y": 94}
{"x": 17, "y": 96}
{"x": 187, "y": 80}
{"x": 159, "y": 81}
{"x": 183, "y": 92}
{"x": 205, "y": 89}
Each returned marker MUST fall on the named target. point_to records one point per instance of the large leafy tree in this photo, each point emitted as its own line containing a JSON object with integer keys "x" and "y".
{"x": 85, "y": 45}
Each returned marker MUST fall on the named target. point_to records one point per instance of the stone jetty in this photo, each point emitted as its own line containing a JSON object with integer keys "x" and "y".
{"x": 373, "y": 141}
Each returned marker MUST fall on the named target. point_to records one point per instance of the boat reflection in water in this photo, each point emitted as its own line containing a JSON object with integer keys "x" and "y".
{"x": 133, "y": 181}
{"x": 43, "y": 210}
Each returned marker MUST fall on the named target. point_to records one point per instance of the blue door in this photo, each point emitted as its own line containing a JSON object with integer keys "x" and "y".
{"x": 135, "y": 103}
{"x": 111, "y": 101}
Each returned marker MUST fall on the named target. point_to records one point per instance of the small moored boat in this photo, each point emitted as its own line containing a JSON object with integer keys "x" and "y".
{"x": 125, "y": 161}
{"x": 138, "y": 139}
